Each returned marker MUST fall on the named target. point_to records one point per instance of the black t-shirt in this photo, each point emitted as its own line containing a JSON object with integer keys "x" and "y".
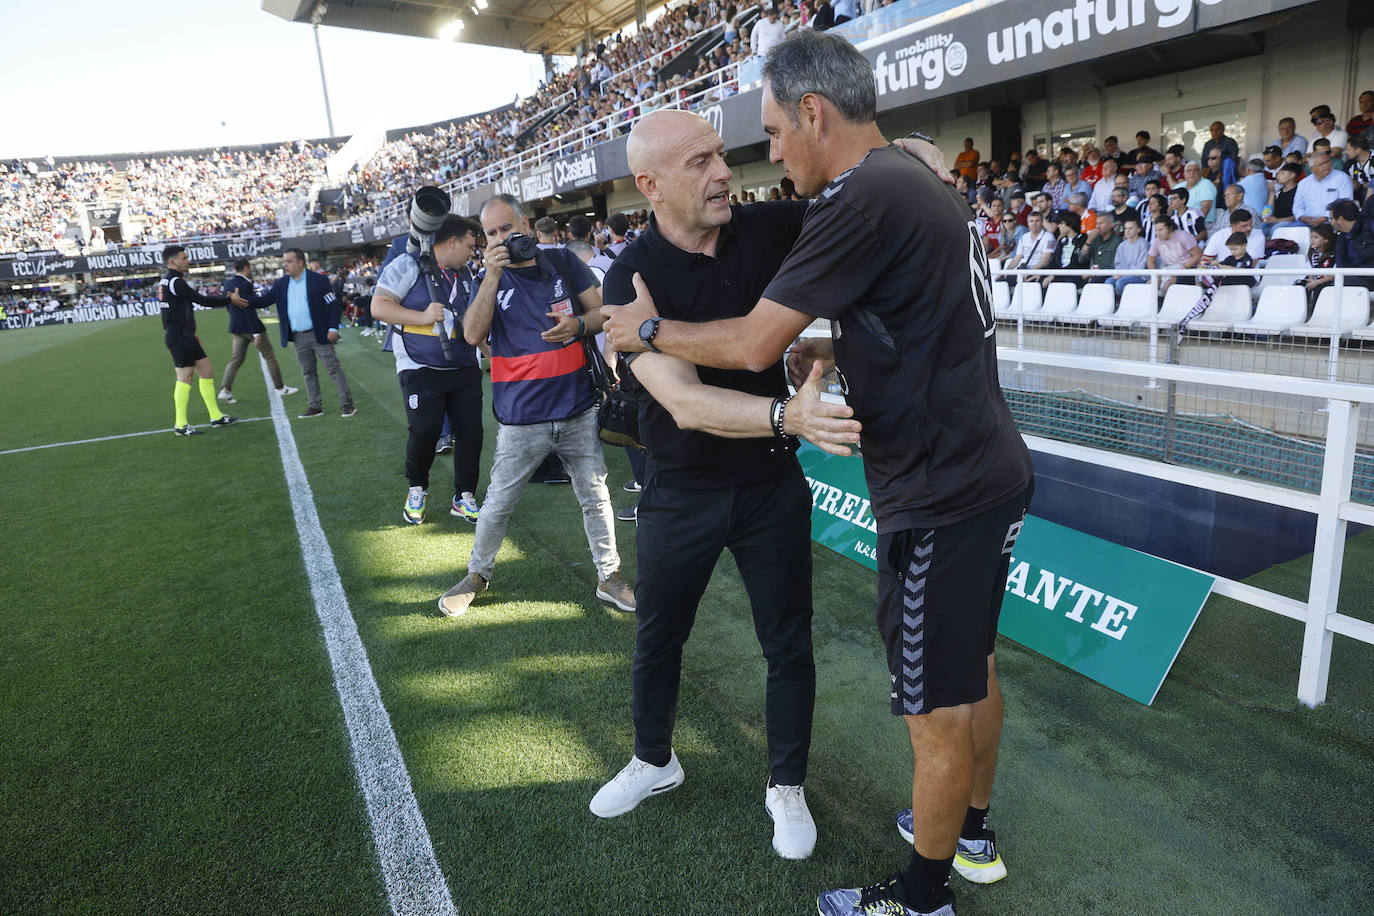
{"x": 178, "y": 303}
{"x": 891, "y": 256}
{"x": 696, "y": 287}
{"x": 1283, "y": 203}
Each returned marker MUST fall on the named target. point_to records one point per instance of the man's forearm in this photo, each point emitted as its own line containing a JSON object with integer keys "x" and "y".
{"x": 385, "y": 308}
{"x": 721, "y": 412}
{"x": 477, "y": 318}
{"x": 724, "y": 344}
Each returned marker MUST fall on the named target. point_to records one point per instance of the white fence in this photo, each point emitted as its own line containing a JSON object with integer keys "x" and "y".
{"x": 1343, "y": 322}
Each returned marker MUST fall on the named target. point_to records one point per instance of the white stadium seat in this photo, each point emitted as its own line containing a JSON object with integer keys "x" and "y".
{"x": 1284, "y": 261}
{"x": 1096, "y": 300}
{"x": 1139, "y": 305}
{"x": 1060, "y": 299}
{"x": 1177, "y": 301}
{"x": 1230, "y": 307}
{"x": 1280, "y": 308}
{"x": 1001, "y": 296}
{"x": 1299, "y": 234}
{"x": 1024, "y": 298}
{"x": 1354, "y": 312}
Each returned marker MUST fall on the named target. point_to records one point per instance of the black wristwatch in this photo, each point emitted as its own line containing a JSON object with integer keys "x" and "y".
{"x": 917, "y": 135}
{"x": 648, "y": 330}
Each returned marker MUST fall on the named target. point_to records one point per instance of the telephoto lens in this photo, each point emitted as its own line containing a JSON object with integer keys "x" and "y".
{"x": 427, "y": 213}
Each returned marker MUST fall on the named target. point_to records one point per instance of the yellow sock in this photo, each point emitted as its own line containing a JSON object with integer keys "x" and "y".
{"x": 181, "y": 396}
{"x": 207, "y": 394}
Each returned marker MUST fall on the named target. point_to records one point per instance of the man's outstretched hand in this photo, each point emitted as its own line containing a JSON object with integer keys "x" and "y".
{"x": 623, "y": 321}
{"x": 827, "y": 426}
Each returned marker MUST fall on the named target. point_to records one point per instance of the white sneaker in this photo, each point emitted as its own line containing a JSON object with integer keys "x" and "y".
{"x": 794, "y": 832}
{"x": 635, "y": 783}
{"x": 287, "y": 390}
{"x": 224, "y": 395}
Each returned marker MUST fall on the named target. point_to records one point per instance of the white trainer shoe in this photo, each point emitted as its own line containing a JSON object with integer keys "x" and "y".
{"x": 227, "y": 396}
{"x": 794, "y": 832}
{"x": 635, "y": 783}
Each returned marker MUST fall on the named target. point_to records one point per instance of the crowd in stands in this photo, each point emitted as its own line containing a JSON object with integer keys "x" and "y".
{"x": 38, "y": 207}
{"x": 1117, "y": 211}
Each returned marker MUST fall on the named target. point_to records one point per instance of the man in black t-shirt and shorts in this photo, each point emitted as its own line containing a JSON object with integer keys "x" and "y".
{"x": 909, "y": 298}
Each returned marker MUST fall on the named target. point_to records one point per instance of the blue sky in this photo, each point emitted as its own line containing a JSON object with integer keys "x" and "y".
{"x": 110, "y": 77}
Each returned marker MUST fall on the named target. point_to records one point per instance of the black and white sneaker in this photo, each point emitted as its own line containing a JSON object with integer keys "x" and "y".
{"x": 628, "y": 514}
{"x": 311, "y": 412}
{"x": 225, "y": 420}
{"x": 632, "y": 487}
{"x": 187, "y": 430}
{"x": 444, "y": 445}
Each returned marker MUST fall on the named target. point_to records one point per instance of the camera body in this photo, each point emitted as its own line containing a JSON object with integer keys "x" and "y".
{"x": 428, "y": 211}
{"x": 521, "y": 247}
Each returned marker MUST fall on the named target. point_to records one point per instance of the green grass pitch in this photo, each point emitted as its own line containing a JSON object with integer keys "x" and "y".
{"x": 171, "y": 742}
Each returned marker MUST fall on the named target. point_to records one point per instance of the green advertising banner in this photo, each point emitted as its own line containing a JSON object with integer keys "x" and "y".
{"x": 1110, "y": 613}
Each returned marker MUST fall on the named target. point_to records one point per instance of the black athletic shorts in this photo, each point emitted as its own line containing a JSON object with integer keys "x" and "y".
{"x": 186, "y": 349}
{"x": 939, "y": 597}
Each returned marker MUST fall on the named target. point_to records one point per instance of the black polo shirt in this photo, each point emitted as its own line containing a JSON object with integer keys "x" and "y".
{"x": 910, "y": 301}
{"x": 687, "y": 286}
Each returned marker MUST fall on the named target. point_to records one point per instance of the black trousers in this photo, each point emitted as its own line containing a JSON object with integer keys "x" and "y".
{"x": 680, "y": 535}
{"x": 431, "y": 395}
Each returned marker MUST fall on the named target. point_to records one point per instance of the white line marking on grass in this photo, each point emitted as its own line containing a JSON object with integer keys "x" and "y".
{"x": 414, "y": 883}
{"x": 150, "y": 432}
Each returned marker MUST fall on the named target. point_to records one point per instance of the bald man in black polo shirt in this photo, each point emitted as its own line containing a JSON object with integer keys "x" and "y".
{"x": 909, "y": 299}
{"x": 721, "y": 470}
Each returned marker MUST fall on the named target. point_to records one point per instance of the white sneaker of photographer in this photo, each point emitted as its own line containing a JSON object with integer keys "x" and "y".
{"x": 635, "y": 783}
{"x": 794, "y": 832}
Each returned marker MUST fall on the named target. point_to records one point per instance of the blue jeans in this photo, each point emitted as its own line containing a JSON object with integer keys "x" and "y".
{"x": 1120, "y": 283}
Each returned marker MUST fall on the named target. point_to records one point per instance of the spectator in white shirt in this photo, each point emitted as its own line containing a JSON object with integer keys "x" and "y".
{"x": 1289, "y": 140}
{"x": 767, "y": 32}
{"x": 1035, "y": 247}
{"x": 1325, "y": 123}
{"x": 1324, "y": 186}
{"x": 1241, "y": 221}
{"x": 1101, "y": 198}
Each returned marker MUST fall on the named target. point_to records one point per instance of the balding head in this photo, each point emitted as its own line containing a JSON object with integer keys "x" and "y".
{"x": 678, "y": 163}
{"x": 657, "y": 133}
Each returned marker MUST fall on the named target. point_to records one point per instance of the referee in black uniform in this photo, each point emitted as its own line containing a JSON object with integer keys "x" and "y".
{"x": 179, "y": 332}
{"x": 909, "y": 299}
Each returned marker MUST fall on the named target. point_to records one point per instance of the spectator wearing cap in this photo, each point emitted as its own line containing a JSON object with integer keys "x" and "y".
{"x": 1142, "y": 151}
{"x": 1143, "y": 173}
{"x": 1362, "y": 124}
{"x": 1325, "y": 123}
{"x": 1354, "y": 239}
{"x": 1255, "y": 185}
{"x": 1070, "y": 250}
{"x": 1320, "y": 189}
{"x": 1289, "y": 140}
{"x": 1219, "y": 143}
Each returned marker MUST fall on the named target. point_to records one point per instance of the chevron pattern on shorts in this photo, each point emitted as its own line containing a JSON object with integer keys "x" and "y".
{"x": 913, "y": 626}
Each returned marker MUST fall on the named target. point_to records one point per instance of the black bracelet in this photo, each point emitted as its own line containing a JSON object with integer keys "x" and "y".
{"x": 779, "y": 412}
{"x": 581, "y": 327}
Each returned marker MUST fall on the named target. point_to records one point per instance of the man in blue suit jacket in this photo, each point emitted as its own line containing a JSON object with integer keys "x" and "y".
{"x": 309, "y": 313}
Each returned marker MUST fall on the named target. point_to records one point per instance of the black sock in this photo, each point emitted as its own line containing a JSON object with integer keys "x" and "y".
{"x": 975, "y": 822}
{"x": 926, "y": 882}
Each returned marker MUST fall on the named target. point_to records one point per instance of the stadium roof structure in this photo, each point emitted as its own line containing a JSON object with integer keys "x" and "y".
{"x": 536, "y": 26}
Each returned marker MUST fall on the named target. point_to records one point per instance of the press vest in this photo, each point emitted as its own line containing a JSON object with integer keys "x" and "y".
{"x": 533, "y": 380}
{"x": 419, "y": 343}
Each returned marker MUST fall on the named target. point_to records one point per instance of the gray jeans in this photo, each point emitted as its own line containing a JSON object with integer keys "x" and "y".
{"x": 519, "y": 450}
{"x": 307, "y": 347}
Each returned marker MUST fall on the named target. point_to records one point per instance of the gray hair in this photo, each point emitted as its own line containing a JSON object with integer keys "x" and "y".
{"x": 825, "y": 65}
{"x": 509, "y": 200}
{"x": 1078, "y": 197}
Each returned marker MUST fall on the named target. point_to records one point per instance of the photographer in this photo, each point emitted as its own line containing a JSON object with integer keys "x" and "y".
{"x": 541, "y": 393}
{"x": 436, "y": 385}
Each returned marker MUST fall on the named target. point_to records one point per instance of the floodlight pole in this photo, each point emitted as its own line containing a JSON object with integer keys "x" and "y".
{"x": 324, "y": 83}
